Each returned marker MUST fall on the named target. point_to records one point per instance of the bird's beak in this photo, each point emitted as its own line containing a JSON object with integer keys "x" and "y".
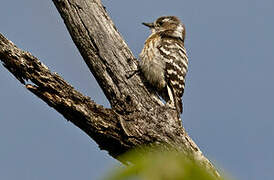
{"x": 150, "y": 25}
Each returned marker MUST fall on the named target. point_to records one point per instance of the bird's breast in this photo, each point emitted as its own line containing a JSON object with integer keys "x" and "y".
{"x": 152, "y": 65}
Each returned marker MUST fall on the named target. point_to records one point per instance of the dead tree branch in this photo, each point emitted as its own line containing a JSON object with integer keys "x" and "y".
{"x": 135, "y": 118}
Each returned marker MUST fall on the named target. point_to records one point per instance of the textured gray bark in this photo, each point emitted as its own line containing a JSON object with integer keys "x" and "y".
{"x": 136, "y": 117}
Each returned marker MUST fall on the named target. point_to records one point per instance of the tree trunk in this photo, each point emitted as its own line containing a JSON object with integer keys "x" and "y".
{"x": 136, "y": 116}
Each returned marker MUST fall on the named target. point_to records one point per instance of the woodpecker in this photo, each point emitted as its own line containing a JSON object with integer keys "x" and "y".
{"x": 163, "y": 60}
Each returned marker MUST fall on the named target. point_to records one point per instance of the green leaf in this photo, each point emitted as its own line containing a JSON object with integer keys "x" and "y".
{"x": 159, "y": 165}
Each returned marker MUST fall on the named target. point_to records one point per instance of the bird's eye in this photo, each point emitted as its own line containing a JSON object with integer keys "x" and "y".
{"x": 160, "y": 23}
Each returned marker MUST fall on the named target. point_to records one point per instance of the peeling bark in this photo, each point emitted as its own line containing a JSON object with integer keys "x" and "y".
{"x": 136, "y": 117}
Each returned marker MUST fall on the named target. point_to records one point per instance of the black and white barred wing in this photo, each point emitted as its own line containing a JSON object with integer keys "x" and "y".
{"x": 176, "y": 61}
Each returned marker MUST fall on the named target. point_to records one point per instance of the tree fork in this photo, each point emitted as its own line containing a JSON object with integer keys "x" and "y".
{"x": 136, "y": 118}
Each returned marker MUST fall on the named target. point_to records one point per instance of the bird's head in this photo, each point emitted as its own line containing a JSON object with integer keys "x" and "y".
{"x": 171, "y": 25}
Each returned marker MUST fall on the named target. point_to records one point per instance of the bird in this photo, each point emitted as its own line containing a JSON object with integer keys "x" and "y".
{"x": 163, "y": 60}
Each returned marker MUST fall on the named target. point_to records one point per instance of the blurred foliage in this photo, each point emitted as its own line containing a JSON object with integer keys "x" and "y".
{"x": 159, "y": 165}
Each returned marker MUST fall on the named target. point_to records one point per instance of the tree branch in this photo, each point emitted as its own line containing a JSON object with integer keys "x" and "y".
{"x": 136, "y": 117}
{"x": 104, "y": 51}
{"x": 99, "y": 123}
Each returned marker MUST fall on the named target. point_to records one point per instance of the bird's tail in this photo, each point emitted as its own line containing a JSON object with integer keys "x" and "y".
{"x": 178, "y": 104}
{"x": 175, "y": 97}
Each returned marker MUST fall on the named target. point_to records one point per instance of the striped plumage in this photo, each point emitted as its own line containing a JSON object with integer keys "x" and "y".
{"x": 164, "y": 61}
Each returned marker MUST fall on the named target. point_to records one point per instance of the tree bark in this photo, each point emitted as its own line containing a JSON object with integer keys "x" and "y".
{"x": 137, "y": 117}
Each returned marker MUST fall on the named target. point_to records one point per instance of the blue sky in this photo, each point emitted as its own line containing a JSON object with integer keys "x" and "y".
{"x": 228, "y": 100}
